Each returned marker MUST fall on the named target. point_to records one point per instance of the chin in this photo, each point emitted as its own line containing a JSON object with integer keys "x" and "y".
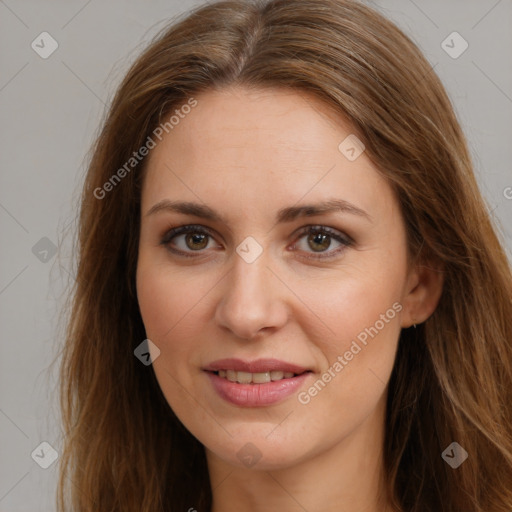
{"x": 258, "y": 452}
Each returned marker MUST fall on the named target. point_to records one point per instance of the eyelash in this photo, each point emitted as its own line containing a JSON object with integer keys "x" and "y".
{"x": 197, "y": 229}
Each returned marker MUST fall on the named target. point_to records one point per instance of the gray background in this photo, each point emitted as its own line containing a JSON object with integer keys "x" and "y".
{"x": 50, "y": 110}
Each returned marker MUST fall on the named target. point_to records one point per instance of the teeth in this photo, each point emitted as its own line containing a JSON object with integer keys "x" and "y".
{"x": 256, "y": 378}
{"x": 244, "y": 377}
{"x": 260, "y": 378}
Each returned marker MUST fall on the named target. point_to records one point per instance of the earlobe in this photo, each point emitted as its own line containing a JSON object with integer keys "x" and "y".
{"x": 424, "y": 289}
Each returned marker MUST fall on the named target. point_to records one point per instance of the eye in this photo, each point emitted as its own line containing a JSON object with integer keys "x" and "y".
{"x": 195, "y": 238}
{"x": 319, "y": 239}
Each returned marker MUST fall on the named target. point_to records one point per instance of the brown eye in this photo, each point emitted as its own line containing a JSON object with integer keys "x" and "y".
{"x": 196, "y": 242}
{"x": 184, "y": 240}
{"x": 319, "y": 239}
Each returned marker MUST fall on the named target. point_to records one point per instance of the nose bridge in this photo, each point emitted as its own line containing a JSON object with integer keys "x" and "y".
{"x": 252, "y": 299}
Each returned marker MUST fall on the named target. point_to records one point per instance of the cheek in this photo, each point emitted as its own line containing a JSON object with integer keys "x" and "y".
{"x": 171, "y": 303}
{"x": 165, "y": 298}
{"x": 356, "y": 330}
{"x": 354, "y": 301}
{"x": 168, "y": 316}
{"x": 156, "y": 301}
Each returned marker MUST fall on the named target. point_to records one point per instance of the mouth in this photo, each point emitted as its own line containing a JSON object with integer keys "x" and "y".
{"x": 256, "y": 378}
{"x": 256, "y": 367}
{"x": 258, "y": 383}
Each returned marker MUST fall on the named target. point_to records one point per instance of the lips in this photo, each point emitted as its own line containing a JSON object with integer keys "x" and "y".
{"x": 257, "y": 366}
{"x": 255, "y": 383}
{"x": 256, "y": 395}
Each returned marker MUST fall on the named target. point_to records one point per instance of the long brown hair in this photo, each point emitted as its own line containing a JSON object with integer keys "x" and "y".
{"x": 124, "y": 449}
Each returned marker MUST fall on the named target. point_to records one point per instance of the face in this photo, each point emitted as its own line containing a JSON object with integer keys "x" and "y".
{"x": 259, "y": 277}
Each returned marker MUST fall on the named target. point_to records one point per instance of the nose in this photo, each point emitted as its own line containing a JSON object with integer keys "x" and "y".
{"x": 253, "y": 299}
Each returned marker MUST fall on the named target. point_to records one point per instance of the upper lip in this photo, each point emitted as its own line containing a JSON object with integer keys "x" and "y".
{"x": 256, "y": 366}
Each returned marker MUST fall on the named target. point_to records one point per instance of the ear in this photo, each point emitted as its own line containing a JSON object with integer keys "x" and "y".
{"x": 422, "y": 293}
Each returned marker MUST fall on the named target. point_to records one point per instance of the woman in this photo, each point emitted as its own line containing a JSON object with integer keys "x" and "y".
{"x": 281, "y": 216}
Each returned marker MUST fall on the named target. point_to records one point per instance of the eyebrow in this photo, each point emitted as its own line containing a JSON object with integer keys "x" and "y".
{"x": 287, "y": 214}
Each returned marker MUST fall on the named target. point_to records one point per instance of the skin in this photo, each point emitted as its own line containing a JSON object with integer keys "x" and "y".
{"x": 247, "y": 154}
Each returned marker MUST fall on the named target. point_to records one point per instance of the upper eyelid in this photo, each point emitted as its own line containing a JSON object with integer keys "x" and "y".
{"x": 299, "y": 233}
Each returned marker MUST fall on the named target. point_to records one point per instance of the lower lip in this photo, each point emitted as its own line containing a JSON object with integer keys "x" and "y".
{"x": 256, "y": 395}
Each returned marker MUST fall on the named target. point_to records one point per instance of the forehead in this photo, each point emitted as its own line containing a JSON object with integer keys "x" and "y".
{"x": 293, "y": 120}
{"x": 254, "y": 148}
